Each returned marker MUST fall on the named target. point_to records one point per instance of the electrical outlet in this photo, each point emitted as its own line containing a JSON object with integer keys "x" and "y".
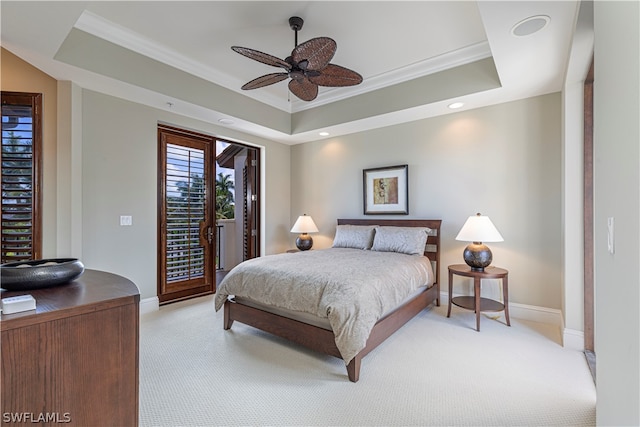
{"x": 126, "y": 220}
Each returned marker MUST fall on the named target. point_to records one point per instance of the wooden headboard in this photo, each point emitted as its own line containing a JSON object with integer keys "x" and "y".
{"x": 432, "y": 249}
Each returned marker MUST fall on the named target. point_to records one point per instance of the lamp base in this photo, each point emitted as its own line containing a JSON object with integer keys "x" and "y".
{"x": 477, "y": 256}
{"x": 304, "y": 242}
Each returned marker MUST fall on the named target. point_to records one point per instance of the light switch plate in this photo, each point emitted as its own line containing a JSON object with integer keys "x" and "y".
{"x": 610, "y": 236}
{"x": 126, "y": 220}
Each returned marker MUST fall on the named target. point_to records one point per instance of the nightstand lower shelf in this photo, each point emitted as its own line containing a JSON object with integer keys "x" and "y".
{"x": 469, "y": 303}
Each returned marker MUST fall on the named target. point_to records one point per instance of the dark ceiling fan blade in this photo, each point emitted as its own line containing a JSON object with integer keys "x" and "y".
{"x": 318, "y": 52}
{"x": 303, "y": 89}
{"x": 266, "y": 80}
{"x": 265, "y": 58}
{"x": 308, "y": 66}
{"x": 335, "y": 75}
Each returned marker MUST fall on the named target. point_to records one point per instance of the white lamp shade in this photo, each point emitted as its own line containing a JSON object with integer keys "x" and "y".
{"x": 479, "y": 228}
{"x": 304, "y": 224}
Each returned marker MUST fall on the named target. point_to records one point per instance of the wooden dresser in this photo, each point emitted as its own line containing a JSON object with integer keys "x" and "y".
{"x": 73, "y": 360}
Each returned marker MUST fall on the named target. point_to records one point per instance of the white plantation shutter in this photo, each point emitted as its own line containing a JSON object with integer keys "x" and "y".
{"x": 185, "y": 209}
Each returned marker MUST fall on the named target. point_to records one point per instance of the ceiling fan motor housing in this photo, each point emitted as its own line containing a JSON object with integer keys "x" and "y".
{"x": 295, "y": 22}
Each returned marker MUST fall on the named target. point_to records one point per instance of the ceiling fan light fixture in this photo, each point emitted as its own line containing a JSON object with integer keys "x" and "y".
{"x": 296, "y": 75}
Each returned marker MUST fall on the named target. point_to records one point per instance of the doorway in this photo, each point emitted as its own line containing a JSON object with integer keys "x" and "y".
{"x": 186, "y": 215}
{"x": 237, "y": 211}
{"x": 208, "y": 211}
{"x": 589, "y": 281}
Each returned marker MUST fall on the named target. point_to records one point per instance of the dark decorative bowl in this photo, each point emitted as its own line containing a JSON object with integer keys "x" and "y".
{"x": 41, "y": 273}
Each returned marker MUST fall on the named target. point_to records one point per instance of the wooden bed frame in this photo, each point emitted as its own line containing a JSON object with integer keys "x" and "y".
{"x": 323, "y": 340}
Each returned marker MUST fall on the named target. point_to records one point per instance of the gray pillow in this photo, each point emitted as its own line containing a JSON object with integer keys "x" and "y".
{"x": 405, "y": 240}
{"x": 354, "y": 236}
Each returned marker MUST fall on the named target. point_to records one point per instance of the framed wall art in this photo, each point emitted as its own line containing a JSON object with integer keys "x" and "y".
{"x": 386, "y": 190}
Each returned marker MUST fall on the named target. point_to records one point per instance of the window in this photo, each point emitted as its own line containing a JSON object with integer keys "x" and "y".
{"x": 185, "y": 210}
{"x": 20, "y": 205}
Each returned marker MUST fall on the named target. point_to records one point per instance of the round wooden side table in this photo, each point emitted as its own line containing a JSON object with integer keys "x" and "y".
{"x": 475, "y": 302}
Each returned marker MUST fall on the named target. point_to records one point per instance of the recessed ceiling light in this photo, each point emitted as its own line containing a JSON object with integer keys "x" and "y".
{"x": 323, "y": 133}
{"x": 226, "y": 121}
{"x": 531, "y": 25}
{"x": 456, "y": 105}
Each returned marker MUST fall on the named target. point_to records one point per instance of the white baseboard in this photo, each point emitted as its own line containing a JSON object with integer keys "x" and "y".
{"x": 526, "y": 312}
{"x": 573, "y": 339}
{"x": 149, "y": 305}
{"x": 536, "y": 314}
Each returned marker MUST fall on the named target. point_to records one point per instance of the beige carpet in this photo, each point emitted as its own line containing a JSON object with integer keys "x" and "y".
{"x": 433, "y": 371}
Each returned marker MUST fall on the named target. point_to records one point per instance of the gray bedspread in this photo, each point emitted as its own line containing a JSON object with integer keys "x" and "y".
{"x": 353, "y": 288}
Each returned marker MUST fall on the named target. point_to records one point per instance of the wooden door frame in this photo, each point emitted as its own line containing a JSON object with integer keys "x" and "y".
{"x": 226, "y": 160}
{"x": 253, "y": 205}
{"x": 206, "y": 288}
{"x": 589, "y": 288}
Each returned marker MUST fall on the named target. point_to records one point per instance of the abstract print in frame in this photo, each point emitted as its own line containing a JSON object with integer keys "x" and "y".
{"x": 386, "y": 190}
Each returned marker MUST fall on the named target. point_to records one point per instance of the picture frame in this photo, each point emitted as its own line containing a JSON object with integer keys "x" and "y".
{"x": 386, "y": 190}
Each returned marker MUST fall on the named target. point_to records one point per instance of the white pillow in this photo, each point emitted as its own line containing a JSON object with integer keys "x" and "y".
{"x": 354, "y": 236}
{"x": 405, "y": 240}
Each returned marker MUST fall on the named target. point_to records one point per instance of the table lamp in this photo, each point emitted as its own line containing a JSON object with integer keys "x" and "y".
{"x": 477, "y": 229}
{"x": 304, "y": 225}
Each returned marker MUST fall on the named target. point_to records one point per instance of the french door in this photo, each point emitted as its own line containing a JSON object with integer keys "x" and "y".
{"x": 186, "y": 214}
{"x": 251, "y": 209}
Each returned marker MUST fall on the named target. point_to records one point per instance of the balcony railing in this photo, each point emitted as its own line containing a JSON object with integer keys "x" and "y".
{"x": 226, "y": 246}
{"x": 219, "y": 251}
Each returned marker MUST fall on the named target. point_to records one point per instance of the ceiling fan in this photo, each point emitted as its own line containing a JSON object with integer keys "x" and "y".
{"x": 308, "y": 66}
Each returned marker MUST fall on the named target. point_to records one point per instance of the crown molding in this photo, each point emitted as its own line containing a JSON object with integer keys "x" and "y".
{"x": 429, "y": 66}
{"x": 100, "y": 27}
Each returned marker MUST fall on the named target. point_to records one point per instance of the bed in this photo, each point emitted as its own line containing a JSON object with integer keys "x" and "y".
{"x": 253, "y": 293}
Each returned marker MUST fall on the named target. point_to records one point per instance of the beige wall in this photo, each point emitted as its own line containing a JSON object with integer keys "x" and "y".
{"x": 503, "y": 161}
{"x": 617, "y": 195}
{"x": 119, "y": 160}
{"x": 19, "y": 76}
